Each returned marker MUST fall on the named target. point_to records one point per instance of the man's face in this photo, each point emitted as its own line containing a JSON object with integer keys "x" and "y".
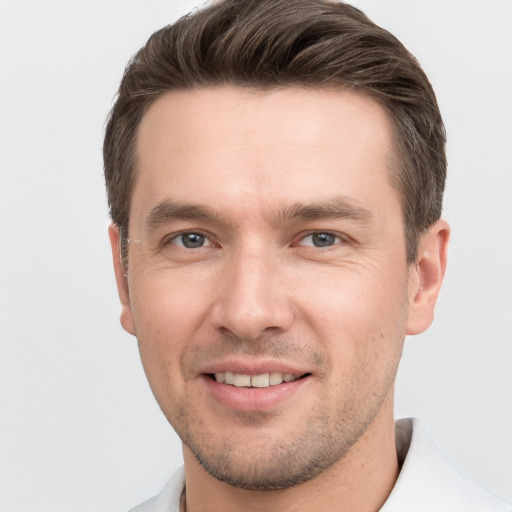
{"x": 268, "y": 247}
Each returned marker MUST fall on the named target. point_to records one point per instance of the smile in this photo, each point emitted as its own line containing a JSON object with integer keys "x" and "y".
{"x": 263, "y": 380}
{"x": 246, "y": 391}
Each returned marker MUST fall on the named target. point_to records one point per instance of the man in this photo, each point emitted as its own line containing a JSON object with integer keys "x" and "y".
{"x": 275, "y": 172}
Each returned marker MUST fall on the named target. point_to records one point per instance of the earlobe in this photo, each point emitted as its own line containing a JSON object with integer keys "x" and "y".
{"x": 121, "y": 280}
{"x": 426, "y": 277}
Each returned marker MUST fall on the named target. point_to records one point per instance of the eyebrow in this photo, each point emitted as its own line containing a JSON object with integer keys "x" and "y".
{"x": 168, "y": 211}
{"x": 337, "y": 207}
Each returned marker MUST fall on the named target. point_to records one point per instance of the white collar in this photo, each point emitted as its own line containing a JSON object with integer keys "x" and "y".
{"x": 427, "y": 481}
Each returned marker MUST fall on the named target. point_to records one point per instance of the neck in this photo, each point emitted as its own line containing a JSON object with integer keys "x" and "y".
{"x": 361, "y": 481}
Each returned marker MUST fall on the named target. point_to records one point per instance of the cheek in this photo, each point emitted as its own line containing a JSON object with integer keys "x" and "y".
{"x": 360, "y": 325}
{"x": 356, "y": 312}
{"x": 168, "y": 312}
{"x": 169, "y": 305}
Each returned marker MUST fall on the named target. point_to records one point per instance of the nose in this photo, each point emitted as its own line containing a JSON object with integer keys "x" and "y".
{"x": 252, "y": 298}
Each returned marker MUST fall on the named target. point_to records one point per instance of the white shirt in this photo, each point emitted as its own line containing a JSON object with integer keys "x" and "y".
{"x": 427, "y": 482}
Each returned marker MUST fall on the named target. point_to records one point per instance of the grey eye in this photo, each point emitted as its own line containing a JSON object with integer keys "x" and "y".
{"x": 191, "y": 240}
{"x": 320, "y": 240}
{"x": 323, "y": 239}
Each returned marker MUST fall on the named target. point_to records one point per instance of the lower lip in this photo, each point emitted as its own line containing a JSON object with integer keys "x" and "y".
{"x": 253, "y": 399}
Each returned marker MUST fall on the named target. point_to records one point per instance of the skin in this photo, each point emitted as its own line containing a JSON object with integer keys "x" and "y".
{"x": 259, "y": 293}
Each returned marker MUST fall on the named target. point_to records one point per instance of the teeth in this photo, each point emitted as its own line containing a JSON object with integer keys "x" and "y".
{"x": 242, "y": 381}
{"x": 275, "y": 378}
{"x": 263, "y": 380}
{"x": 260, "y": 381}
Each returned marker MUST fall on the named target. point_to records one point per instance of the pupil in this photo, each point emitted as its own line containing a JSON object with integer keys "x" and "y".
{"x": 193, "y": 240}
{"x": 323, "y": 239}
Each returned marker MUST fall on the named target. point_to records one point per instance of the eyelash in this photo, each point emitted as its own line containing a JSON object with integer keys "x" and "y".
{"x": 173, "y": 238}
{"x": 337, "y": 240}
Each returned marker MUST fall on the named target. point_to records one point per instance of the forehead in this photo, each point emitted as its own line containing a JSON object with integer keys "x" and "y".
{"x": 202, "y": 116}
{"x": 288, "y": 144}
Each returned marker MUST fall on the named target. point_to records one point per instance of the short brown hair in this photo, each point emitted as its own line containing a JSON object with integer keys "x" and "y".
{"x": 266, "y": 44}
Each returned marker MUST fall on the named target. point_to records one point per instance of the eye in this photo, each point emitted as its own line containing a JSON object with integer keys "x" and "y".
{"x": 320, "y": 239}
{"x": 191, "y": 240}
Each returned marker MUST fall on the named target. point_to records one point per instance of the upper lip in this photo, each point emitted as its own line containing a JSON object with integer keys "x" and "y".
{"x": 252, "y": 367}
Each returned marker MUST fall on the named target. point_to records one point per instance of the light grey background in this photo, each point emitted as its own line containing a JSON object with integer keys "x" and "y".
{"x": 79, "y": 428}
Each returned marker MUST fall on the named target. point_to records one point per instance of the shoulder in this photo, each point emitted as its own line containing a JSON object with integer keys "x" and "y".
{"x": 428, "y": 482}
{"x": 168, "y": 500}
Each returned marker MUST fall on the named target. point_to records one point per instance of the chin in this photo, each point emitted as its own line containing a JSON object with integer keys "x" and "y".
{"x": 257, "y": 463}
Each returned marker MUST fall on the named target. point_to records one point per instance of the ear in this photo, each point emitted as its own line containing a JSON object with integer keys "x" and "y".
{"x": 121, "y": 280}
{"x": 426, "y": 277}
